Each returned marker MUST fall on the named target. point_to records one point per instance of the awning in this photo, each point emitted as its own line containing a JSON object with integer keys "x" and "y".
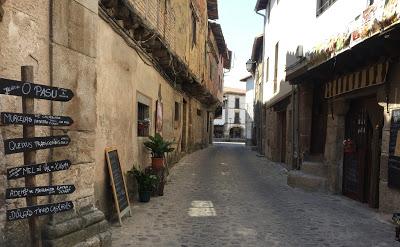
{"x": 367, "y": 77}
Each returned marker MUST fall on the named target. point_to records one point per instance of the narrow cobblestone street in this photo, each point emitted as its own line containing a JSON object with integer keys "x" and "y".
{"x": 227, "y": 196}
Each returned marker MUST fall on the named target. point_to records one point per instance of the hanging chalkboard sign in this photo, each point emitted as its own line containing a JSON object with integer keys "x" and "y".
{"x": 20, "y": 145}
{"x": 36, "y": 169}
{"x": 34, "y": 119}
{"x": 394, "y": 151}
{"x": 28, "y": 212}
{"x": 13, "y": 193}
{"x": 118, "y": 183}
{"x": 31, "y": 90}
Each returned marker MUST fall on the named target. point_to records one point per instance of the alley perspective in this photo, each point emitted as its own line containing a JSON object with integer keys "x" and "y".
{"x": 199, "y": 123}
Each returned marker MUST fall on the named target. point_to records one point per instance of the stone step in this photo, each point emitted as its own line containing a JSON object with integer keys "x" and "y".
{"x": 314, "y": 168}
{"x": 299, "y": 179}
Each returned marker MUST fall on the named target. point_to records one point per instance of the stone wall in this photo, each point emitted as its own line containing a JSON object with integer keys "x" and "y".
{"x": 273, "y": 134}
{"x": 305, "y": 118}
{"x": 73, "y": 65}
{"x": 389, "y": 199}
{"x": 24, "y": 39}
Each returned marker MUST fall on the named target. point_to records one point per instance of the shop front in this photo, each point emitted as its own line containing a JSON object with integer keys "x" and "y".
{"x": 361, "y": 128}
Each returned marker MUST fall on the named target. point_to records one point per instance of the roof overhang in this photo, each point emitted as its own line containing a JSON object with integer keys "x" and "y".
{"x": 222, "y": 48}
{"x": 381, "y": 46}
{"x": 212, "y": 9}
{"x": 261, "y": 4}
{"x": 246, "y": 78}
{"x": 257, "y": 47}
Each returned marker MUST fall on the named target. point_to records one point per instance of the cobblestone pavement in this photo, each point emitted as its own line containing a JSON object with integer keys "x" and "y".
{"x": 227, "y": 196}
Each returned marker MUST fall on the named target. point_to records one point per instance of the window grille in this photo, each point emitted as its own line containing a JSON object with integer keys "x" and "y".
{"x": 143, "y": 120}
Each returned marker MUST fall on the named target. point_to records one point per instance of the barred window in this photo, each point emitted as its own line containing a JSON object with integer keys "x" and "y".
{"x": 143, "y": 119}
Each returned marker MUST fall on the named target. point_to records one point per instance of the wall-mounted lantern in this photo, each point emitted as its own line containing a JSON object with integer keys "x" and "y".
{"x": 250, "y": 65}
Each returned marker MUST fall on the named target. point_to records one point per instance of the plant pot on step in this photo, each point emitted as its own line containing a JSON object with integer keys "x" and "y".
{"x": 144, "y": 196}
{"x": 158, "y": 148}
{"x": 157, "y": 163}
{"x": 161, "y": 188}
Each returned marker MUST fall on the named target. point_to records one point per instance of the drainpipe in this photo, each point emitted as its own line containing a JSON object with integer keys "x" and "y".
{"x": 262, "y": 92}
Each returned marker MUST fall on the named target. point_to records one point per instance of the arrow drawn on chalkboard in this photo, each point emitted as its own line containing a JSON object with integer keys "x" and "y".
{"x": 34, "y": 119}
{"x": 28, "y": 212}
{"x": 13, "y": 193}
{"x": 31, "y": 90}
{"x": 36, "y": 169}
{"x": 20, "y": 145}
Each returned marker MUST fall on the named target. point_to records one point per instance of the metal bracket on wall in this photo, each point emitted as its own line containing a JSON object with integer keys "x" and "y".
{"x": 1, "y": 9}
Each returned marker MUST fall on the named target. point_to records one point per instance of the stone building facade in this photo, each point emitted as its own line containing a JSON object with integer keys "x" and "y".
{"x": 250, "y": 93}
{"x": 344, "y": 77}
{"x": 231, "y": 126}
{"x": 119, "y": 57}
{"x": 257, "y": 70}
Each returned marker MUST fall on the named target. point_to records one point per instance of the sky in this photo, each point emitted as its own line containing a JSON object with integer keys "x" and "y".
{"x": 240, "y": 25}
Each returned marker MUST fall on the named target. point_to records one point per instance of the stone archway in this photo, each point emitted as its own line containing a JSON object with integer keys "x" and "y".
{"x": 236, "y": 132}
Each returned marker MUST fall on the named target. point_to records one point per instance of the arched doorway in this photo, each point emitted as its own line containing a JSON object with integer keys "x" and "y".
{"x": 235, "y": 132}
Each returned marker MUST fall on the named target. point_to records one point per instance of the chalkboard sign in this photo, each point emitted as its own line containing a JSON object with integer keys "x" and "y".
{"x": 34, "y": 119}
{"x": 394, "y": 151}
{"x": 13, "y": 193}
{"x": 118, "y": 183}
{"x": 20, "y": 145}
{"x": 31, "y": 90}
{"x": 28, "y": 212}
{"x": 36, "y": 169}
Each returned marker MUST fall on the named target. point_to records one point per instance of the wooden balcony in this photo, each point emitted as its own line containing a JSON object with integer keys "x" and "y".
{"x": 149, "y": 27}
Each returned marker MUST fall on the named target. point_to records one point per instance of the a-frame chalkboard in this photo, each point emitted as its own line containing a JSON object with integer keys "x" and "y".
{"x": 118, "y": 184}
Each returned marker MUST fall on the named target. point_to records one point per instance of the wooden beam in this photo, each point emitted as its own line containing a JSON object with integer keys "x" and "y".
{"x": 109, "y": 3}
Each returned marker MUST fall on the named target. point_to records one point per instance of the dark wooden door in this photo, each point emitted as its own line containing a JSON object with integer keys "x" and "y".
{"x": 357, "y": 153}
{"x": 318, "y": 122}
{"x": 283, "y": 124}
{"x": 184, "y": 126}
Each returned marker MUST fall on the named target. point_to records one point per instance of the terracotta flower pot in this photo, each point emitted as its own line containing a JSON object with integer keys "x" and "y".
{"x": 157, "y": 163}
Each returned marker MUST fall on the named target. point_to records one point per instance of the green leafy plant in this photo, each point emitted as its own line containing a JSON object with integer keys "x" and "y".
{"x": 158, "y": 146}
{"x": 146, "y": 180}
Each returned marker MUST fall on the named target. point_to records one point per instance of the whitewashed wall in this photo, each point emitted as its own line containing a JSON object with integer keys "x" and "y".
{"x": 294, "y": 23}
{"x": 250, "y": 94}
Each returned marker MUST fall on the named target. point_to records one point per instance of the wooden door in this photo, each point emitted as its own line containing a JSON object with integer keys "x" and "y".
{"x": 283, "y": 124}
{"x": 357, "y": 153}
{"x": 318, "y": 122}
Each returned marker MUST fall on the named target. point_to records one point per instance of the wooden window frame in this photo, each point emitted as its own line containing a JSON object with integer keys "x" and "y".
{"x": 276, "y": 67}
{"x": 323, "y": 5}
{"x": 143, "y": 113}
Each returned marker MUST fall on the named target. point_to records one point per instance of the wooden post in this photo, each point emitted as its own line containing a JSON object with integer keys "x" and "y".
{"x": 28, "y": 107}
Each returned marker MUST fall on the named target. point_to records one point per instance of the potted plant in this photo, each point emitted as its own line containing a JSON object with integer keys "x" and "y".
{"x": 158, "y": 147}
{"x": 146, "y": 181}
